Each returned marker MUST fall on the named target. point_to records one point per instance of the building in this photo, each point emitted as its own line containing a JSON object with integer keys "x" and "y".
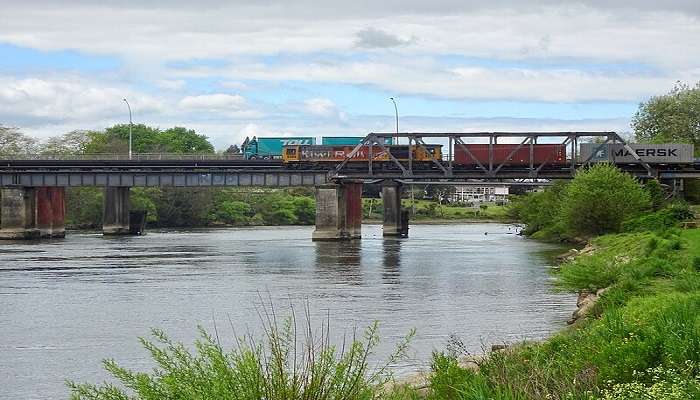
{"x": 480, "y": 193}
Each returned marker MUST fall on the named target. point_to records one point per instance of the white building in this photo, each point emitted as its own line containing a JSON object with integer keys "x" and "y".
{"x": 480, "y": 194}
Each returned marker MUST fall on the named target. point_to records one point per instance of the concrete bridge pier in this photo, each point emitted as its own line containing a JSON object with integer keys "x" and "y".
{"x": 395, "y": 218}
{"x": 57, "y": 195}
{"x": 50, "y": 212}
{"x": 338, "y": 211}
{"x": 115, "y": 217}
{"x": 18, "y": 213}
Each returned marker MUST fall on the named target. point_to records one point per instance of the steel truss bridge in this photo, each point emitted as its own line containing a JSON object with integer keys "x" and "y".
{"x": 199, "y": 170}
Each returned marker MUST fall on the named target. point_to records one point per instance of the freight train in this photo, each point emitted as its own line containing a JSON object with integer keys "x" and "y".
{"x": 472, "y": 156}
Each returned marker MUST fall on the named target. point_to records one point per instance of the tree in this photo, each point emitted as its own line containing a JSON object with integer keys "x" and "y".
{"x": 12, "y": 141}
{"x": 183, "y": 140}
{"x": 600, "y": 198}
{"x": 75, "y": 142}
{"x": 673, "y": 117}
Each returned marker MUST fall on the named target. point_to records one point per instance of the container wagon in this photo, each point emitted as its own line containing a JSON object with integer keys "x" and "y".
{"x": 550, "y": 154}
{"x": 667, "y": 153}
{"x": 269, "y": 148}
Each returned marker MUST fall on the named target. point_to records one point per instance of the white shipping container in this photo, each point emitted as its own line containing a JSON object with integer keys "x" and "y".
{"x": 667, "y": 153}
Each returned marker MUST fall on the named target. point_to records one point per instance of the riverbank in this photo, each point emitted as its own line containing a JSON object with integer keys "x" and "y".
{"x": 635, "y": 334}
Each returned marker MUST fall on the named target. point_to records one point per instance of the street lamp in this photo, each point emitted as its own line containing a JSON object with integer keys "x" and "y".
{"x": 396, "y": 109}
{"x": 130, "y": 124}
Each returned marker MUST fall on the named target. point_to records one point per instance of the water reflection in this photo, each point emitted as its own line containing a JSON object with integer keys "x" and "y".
{"x": 339, "y": 261}
{"x": 391, "y": 268}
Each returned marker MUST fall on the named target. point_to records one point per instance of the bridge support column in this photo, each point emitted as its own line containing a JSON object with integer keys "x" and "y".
{"x": 338, "y": 211}
{"x": 115, "y": 217}
{"x": 18, "y": 214}
{"x": 44, "y": 212}
{"x": 395, "y": 218}
{"x": 50, "y": 212}
{"x": 57, "y": 195}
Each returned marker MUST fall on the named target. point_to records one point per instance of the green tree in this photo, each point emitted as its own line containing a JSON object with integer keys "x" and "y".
{"x": 673, "y": 117}
{"x": 183, "y": 140}
{"x": 600, "y": 198}
{"x": 231, "y": 212}
{"x": 12, "y": 141}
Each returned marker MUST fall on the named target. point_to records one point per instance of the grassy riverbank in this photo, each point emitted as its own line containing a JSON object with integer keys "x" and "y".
{"x": 639, "y": 340}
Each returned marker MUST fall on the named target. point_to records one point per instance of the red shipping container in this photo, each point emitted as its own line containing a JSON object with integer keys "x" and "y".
{"x": 551, "y": 154}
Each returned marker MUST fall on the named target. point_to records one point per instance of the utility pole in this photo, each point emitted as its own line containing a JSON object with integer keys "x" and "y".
{"x": 130, "y": 125}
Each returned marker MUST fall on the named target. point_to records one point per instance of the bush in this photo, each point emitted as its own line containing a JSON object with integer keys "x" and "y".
{"x": 540, "y": 210}
{"x": 283, "y": 366}
{"x": 656, "y": 193}
{"x": 665, "y": 218}
{"x": 599, "y": 199}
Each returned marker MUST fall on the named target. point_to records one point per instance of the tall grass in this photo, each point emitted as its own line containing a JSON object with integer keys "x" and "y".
{"x": 292, "y": 362}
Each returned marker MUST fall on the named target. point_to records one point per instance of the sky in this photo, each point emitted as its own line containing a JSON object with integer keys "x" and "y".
{"x": 237, "y": 68}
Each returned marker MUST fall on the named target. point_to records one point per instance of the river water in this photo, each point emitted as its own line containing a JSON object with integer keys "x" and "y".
{"x": 67, "y": 304}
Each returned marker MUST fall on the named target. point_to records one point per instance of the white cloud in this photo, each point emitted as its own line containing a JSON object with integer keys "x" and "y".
{"x": 171, "y": 84}
{"x": 68, "y": 99}
{"x": 320, "y": 106}
{"x": 213, "y": 102}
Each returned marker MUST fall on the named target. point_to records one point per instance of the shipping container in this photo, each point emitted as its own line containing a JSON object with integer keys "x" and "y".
{"x": 271, "y": 147}
{"x": 668, "y": 153}
{"x": 345, "y": 140}
{"x": 550, "y": 154}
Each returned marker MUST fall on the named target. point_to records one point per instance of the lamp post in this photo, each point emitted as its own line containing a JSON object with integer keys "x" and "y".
{"x": 396, "y": 110}
{"x": 130, "y": 124}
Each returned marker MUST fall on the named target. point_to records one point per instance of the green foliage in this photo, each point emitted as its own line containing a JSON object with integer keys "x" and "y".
{"x": 665, "y": 218}
{"x": 282, "y": 366}
{"x": 141, "y": 199}
{"x": 599, "y": 199}
{"x": 656, "y": 193}
{"x": 231, "y": 212}
{"x": 673, "y": 117}
{"x": 540, "y": 210}
{"x": 84, "y": 207}
{"x": 146, "y": 139}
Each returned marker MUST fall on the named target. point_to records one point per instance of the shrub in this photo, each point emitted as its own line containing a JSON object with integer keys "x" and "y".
{"x": 281, "y": 367}
{"x": 540, "y": 210}
{"x": 656, "y": 193}
{"x": 599, "y": 199}
{"x": 662, "y": 219}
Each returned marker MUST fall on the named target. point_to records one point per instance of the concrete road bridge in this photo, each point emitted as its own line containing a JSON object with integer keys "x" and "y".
{"x": 33, "y": 186}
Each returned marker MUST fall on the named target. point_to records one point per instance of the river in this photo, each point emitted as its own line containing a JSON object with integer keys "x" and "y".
{"x": 67, "y": 304}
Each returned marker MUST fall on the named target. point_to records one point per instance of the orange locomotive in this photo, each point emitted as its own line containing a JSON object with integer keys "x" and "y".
{"x": 310, "y": 155}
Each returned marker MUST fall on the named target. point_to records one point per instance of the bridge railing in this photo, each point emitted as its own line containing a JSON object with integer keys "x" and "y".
{"x": 119, "y": 157}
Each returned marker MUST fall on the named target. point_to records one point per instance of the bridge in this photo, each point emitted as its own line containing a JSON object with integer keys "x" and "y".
{"x": 32, "y": 203}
